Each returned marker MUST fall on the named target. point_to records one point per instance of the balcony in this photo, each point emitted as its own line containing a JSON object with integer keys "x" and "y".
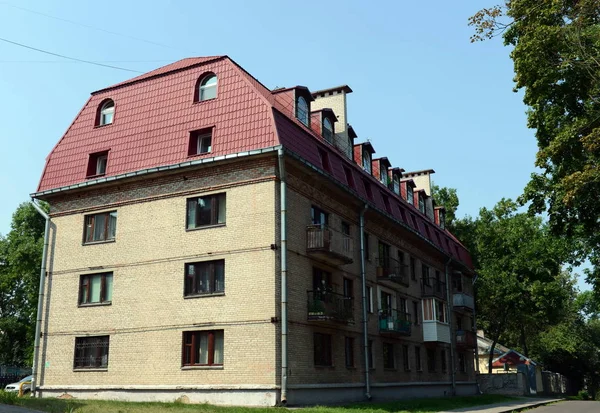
{"x": 329, "y": 306}
{"x": 329, "y": 245}
{"x": 463, "y": 302}
{"x": 394, "y": 322}
{"x": 391, "y": 271}
{"x": 436, "y": 331}
{"x": 465, "y": 339}
{"x": 433, "y": 288}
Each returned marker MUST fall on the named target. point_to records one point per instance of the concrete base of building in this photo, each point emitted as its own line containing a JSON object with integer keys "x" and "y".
{"x": 218, "y": 395}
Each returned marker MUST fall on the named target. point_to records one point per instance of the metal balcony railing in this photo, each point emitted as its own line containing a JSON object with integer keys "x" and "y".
{"x": 389, "y": 269}
{"x": 433, "y": 288}
{"x": 394, "y": 322}
{"x": 463, "y": 301}
{"x": 466, "y": 339}
{"x": 329, "y": 306}
{"x": 329, "y": 244}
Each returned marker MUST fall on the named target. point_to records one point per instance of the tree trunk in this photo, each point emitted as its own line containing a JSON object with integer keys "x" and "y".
{"x": 491, "y": 356}
{"x": 524, "y": 342}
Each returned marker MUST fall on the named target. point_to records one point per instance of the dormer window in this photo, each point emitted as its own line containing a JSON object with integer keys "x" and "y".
{"x": 97, "y": 164}
{"x": 200, "y": 142}
{"x": 327, "y": 130}
{"x": 366, "y": 161}
{"x": 421, "y": 203}
{"x": 410, "y": 197}
{"x": 383, "y": 175}
{"x": 302, "y": 110}
{"x": 207, "y": 89}
{"x": 107, "y": 112}
{"x": 396, "y": 186}
{"x": 442, "y": 219}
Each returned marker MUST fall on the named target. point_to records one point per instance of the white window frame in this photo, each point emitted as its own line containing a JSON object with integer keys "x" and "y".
{"x": 106, "y": 110}
{"x": 204, "y": 86}
{"x": 200, "y": 139}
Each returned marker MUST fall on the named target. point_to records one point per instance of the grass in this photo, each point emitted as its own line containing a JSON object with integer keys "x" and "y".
{"x": 104, "y": 406}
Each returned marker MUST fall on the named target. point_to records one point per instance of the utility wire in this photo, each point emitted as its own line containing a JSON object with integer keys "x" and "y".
{"x": 68, "y": 57}
{"x": 87, "y": 26}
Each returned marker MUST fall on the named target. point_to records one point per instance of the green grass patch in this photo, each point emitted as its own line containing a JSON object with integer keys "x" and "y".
{"x": 105, "y": 406}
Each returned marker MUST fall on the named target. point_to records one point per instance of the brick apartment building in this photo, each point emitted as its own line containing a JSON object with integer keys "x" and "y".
{"x": 206, "y": 244}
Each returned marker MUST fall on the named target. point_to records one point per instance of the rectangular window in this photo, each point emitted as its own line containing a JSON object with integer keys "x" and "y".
{"x": 462, "y": 362}
{"x": 388, "y": 356}
{"x": 97, "y": 164}
{"x": 384, "y": 254}
{"x": 430, "y": 360}
{"x": 321, "y": 280}
{"x": 443, "y": 359}
{"x": 370, "y": 354}
{"x": 440, "y": 311}
{"x": 428, "y": 309}
{"x": 405, "y": 358}
{"x": 322, "y": 349}
{"x": 96, "y": 288}
{"x": 416, "y": 312}
{"x": 319, "y": 217}
{"x": 200, "y": 142}
{"x": 348, "y": 288}
{"x": 203, "y": 348}
{"x": 425, "y": 274}
{"x": 402, "y": 305}
{"x": 369, "y": 299}
{"x": 419, "y": 365}
{"x": 366, "y": 252}
{"x": 204, "y": 278}
{"x": 91, "y": 352}
{"x": 205, "y": 210}
{"x": 347, "y": 239}
{"x": 409, "y": 194}
{"x": 349, "y": 346}
{"x": 100, "y": 227}
{"x": 413, "y": 268}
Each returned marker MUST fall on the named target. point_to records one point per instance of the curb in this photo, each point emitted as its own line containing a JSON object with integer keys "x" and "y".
{"x": 531, "y": 406}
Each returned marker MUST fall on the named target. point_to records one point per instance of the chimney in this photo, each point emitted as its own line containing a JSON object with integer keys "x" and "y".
{"x": 335, "y": 98}
{"x": 422, "y": 179}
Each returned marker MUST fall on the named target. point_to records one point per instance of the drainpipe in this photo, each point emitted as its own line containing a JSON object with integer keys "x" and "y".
{"x": 476, "y": 352}
{"x": 38, "y": 323}
{"x": 284, "y": 299}
{"x": 452, "y": 333}
{"x": 363, "y": 277}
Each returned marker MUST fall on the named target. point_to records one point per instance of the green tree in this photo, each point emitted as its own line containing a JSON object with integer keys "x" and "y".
{"x": 448, "y": 198}
{"x": 556, "y": 54}
{"x": 20, "y": 260}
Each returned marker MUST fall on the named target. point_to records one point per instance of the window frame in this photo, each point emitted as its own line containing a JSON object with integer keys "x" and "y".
{"x": 210, "y": 360}
{"x": 367, "y": 161}
{"x": 322, "y": 341}
{"x": 103, "y": 289}
{"x": 444, "y": 361}
{"x": 203, "y": 87}
{"x": 102, "y": 356}
{"x": 388, "y": 356}
{"x": 326, "y": 132}
{"x": 305, "y": 119}
{"x": 197, "y": 138}
{"x": 212, "y": 269}
{"x": 90, "y": 220}
{"x": 418, "y": 359}
{"x": 431, "y": 367}
{"x": 94, "y": 162}
{"x": 215, "y": 200}
{"x": 405, "y": 357}
{"x": 349, "y": 352}
{"x": 107, "y": 107}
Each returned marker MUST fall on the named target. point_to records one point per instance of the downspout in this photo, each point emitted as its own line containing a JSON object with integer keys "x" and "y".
{"x": 452, "y": 333}
{"x": 363, "y": 277}
{"x": 38, "y": 322}
{"x": 476, "y": 352}
{"x": 283, "y": 255}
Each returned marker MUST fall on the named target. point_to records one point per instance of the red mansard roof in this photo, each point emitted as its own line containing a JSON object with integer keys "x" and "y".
{"x": 155, "y": 113}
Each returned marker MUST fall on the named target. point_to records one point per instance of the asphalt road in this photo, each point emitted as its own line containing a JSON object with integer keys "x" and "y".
{"x": 569, "y": 407}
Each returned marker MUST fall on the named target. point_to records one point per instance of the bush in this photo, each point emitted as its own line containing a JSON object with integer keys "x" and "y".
{"x": 8, "y": 397}
{"x": 583, "y": 395}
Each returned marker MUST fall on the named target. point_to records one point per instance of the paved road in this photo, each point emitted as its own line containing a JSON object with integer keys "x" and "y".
{"x": 570, "y": 407}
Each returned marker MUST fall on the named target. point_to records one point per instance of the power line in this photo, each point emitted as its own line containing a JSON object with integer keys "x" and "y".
{"x": 94, "y": 61}
{"x": 68, "y": 57}
{"x": 87, "y": 26}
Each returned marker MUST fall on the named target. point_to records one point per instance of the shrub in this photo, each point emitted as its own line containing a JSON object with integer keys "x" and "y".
{"x": 583, "y": 395}
{"x": 7, "y": 397}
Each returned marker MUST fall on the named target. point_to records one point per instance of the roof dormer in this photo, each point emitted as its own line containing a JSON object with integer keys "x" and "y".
{"x": 297, "y": 101}
{"x": 363, "y": 155}
{"x": 394, "y": 176}
{"x": 407, "y": 187}
{"x": 420, "y": 200}
{"x": 322, "y": 122}
{"x": 439, "y": 214}
{"x": 380, "y": 170}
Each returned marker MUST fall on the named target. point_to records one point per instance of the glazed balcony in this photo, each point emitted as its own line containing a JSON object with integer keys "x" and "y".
{"x": 329, "y": 306}
{"x": 463, "y": 302}
{"x": 394, "y": 322}
{"x": 329, "y": 245}
{"x": 436, "y": 331}
{"x": 392, "y": 271}
{"x": 466, "y": 339}
{"x": 433, "y": 288}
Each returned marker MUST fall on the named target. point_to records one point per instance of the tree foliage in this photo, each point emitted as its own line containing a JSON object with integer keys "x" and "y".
{"x": 448, "y": 198}
{"x": 556, "y": 54}
{"x": 20, "y": 260}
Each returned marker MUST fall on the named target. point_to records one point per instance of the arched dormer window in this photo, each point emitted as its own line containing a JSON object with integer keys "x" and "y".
{"x": 383, "y": 177}
{"x": 106, "y": 113}
{"x": 207, "y": 87}
{"x": 302, "y": 110}
{"x": 327, "y": 130}
{"x": 397, "y": 185}
{"x": 366, "y": 160}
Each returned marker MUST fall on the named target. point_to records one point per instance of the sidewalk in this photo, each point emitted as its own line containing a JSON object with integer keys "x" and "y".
{"x": 520, "y": 404}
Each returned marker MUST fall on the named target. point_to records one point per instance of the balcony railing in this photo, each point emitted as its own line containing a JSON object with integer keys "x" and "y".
{"x": 329, "y": 306}
{"x": 462, "y": 301}
{"x": 394, "y": 322}
{"x": 389, "y": 269}
{"x": 466, "y": 339}
{"x": 433, "y": 288}
{"x": 329, "y": 244}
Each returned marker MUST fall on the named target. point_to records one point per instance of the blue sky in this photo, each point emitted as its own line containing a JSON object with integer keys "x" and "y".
{"x": 423, "y": 94}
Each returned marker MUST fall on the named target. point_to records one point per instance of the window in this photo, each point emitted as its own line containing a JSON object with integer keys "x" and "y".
{"x": 396, "y": 185}
{"x": 327, "y": 130}
{"x": 430, "y": 360}
{"x": 322, "y": 348}
{"x": 462, "y": 362}
{"x": 366, "y": 252}
{"x": 434, "y": 310}
{"x": 107, "y": 113}
{"x": 442, "y": 219}
{"x": 205, "y": 210}
{"x": 96, "y": 288}
{"x": 440, "y": 312}
{"x": 348, "y": 288}
{"x": 321, "y": 280}
{"x": 443, "y": 359}
{"x": 91, "y": 352}
{"x": 405, "y": 358}
{"x": 416, "y": 312}
{"x": 383, "y": 177}
{"x": 413, "y": 268}
{"x": 366, "y": 160}
{"x": 349, "y": 346}
{"x": 347, "y": 239}
{"x": 200, "y": 142}
{"x": 324, "y": 160}
{"x": 388, "y": 356}
{"x": 302, "y": 110}
{"x": 421, "y": 202}
{"x": 349, "y": 178}
{"x": 410, "y": 197}
{"x": 418, "y": 358}
{"x": 207, "y": 88}
{"x": 97, "y": 164}
{"x": 386, "y": 301}
{"x": 384, "y": 254}
{"x": 370, "y": 354}
{"x": 202, "y": 348}
{"x": 425, "y": 275}
{"x": 319, "y": 217}
{"x": 100, "y": 227}
{"x": 204, "y": 278}
{"x": 369, "y": 299}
